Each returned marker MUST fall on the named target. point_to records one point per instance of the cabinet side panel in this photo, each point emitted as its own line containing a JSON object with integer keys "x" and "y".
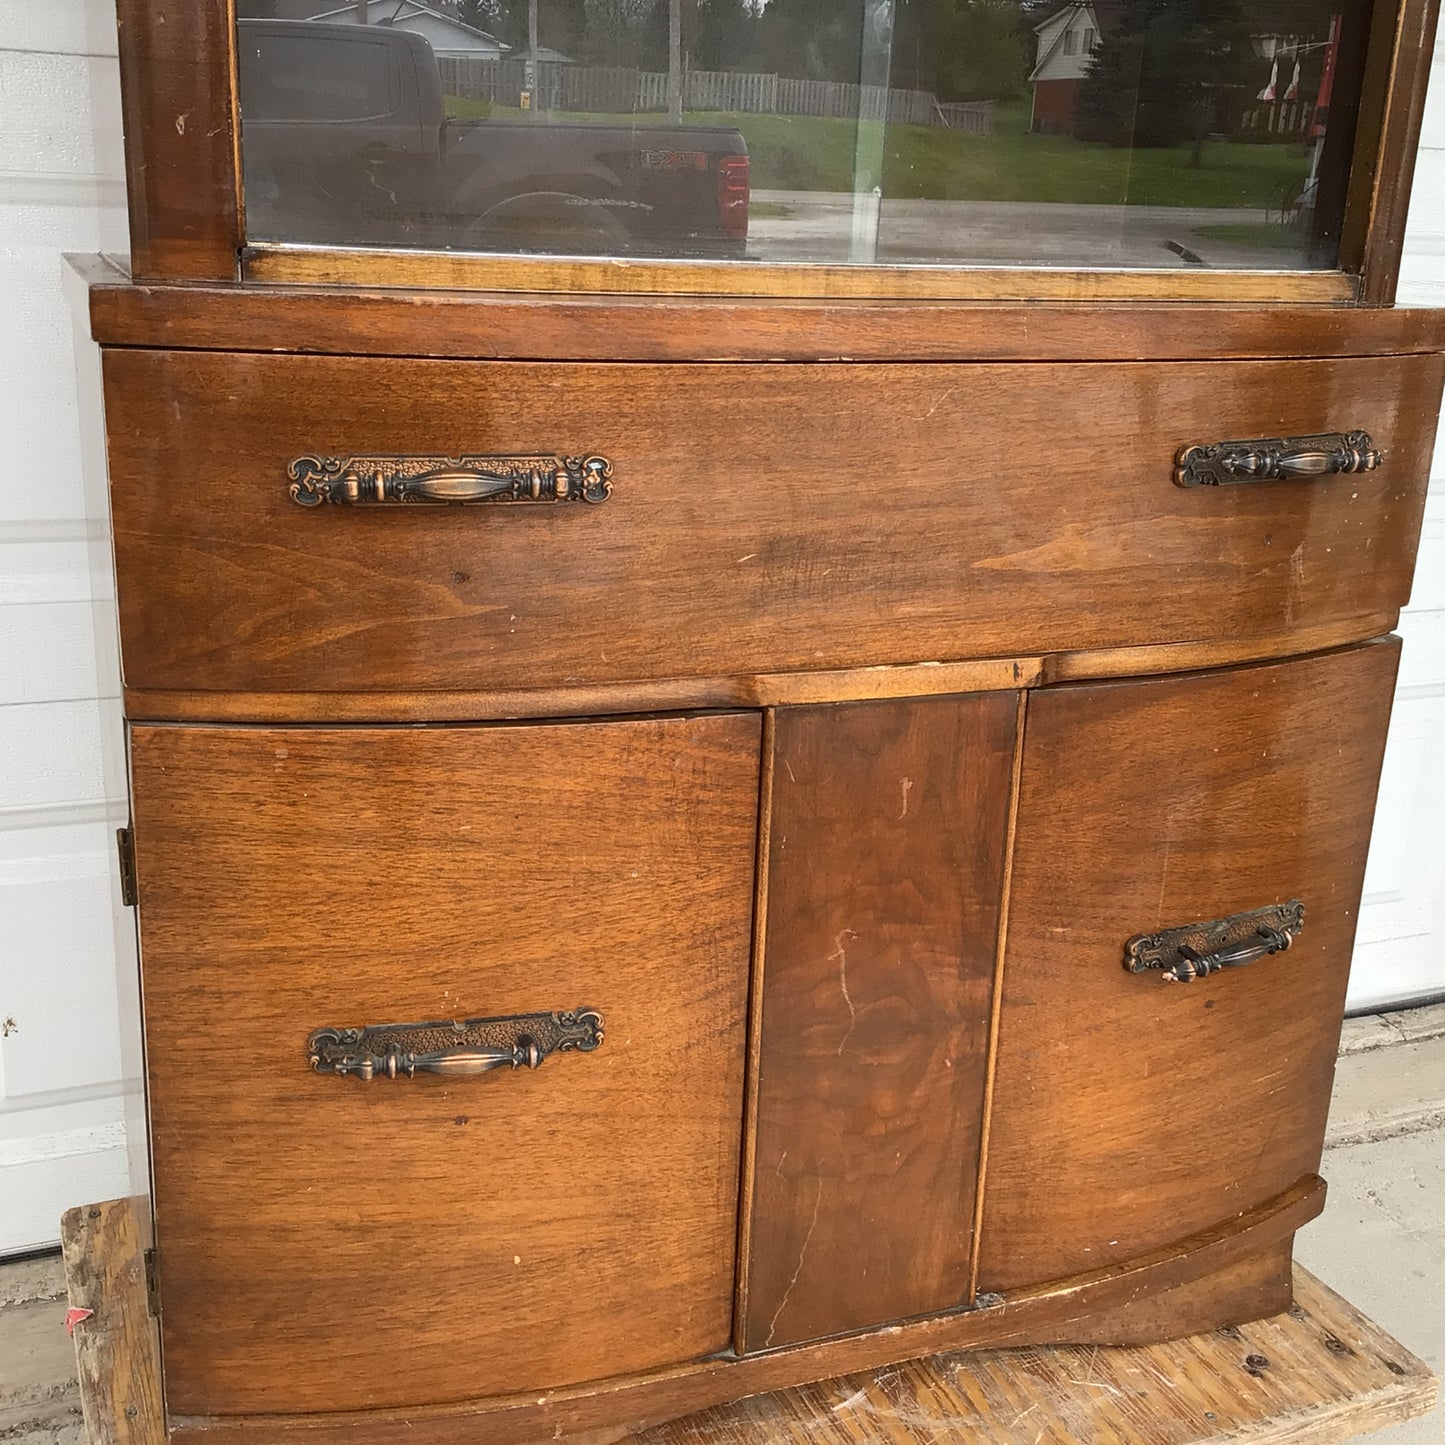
{"x": 1131, "y": 1112}
{"x": 887, "y": 848}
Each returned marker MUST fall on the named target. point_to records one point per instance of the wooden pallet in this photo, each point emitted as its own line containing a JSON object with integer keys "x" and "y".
{"x": 1321, "y": 1372}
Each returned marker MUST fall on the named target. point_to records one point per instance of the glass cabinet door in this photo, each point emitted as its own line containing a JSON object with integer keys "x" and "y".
{"x": 1182, "y": 134}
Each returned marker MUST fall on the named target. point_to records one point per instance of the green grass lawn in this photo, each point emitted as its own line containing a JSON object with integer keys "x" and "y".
{"x": 815, "y": 153}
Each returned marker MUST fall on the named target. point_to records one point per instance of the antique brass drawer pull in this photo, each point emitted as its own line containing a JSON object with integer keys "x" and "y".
{"x": 1225, "y": 463}
{"x": 448, "y": 481}
{"x": 1196, "y": 950}
{"x": 456, "y": 1047}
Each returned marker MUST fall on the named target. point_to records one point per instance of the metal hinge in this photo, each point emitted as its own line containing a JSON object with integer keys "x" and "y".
{"x": 125, "y": 846}
{"x": 153, "y": 1291}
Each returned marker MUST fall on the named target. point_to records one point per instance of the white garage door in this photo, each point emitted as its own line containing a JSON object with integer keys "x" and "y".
{"x": 1400, "y": 954}
{"x": 61, "y": 1135}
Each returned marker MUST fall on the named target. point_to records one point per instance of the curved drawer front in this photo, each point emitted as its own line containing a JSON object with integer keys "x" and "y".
{"x": 760, "y": 518}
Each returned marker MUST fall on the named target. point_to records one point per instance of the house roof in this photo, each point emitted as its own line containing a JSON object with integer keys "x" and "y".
{"x": 1106, "y": 13}
{"x": 544, "y": 54}
{"x": 406, "y": 10}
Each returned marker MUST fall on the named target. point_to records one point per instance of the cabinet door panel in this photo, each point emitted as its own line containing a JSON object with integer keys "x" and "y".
{"x": 1130, "y": 1111}
{"x": 331, "y": 1243}
{"x": 887, "y": 841}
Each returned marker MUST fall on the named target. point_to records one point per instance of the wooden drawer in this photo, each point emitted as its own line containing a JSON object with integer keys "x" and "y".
{"x": 763, "y": 518}
{"x": 327, "y": 1242}
{"x": 1132, "y": 1112}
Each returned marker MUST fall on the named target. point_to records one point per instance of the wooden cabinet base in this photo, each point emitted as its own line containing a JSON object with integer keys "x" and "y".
{"x": 1285, "y": 1373}
{"x": 950, "y": 815}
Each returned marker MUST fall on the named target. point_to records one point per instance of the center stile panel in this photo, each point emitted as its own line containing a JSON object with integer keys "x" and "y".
{"x": 885, "y": 874}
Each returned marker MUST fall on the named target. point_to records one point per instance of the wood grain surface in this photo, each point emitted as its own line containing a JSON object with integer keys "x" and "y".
{"x": 1401, "y": 47}
{"x": 518, "y": 326}
{"x": 328, "y": 1243}
{"x": 291, "y": 265}
{"x": 1129, "y": 1111}
{"x": 180, "y": 139}
{"x": 1320, "y": 1372}
{"x": 755, "y": 690}
{"x": 117, "y": 1357}
{"x": 764, "y": 519}
{"x": 887, "y": 848}
{"x": 1313, "y": 1374}
{"x": 1198, "y": 1275}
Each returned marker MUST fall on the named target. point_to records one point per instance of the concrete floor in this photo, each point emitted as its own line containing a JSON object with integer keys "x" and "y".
{"x": 818, "y": 226}
{"x": 1380, "y": 1242}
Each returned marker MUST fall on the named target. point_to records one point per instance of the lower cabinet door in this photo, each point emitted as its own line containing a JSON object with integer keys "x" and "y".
{"x": 1132, "y": 1111}
{"x": 437, "y": 1214}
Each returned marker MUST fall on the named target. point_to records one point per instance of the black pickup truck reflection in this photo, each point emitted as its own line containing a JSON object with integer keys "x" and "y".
{"x": 346, "y": 142}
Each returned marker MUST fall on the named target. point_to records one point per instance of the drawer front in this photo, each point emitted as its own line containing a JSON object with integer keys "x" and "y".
{"x": 762, "y": 518}
{"x": 1132, "y": 1111}
{"x": 329, "y": 1242}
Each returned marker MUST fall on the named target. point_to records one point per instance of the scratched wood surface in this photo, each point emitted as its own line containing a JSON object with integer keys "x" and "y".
{"x": 886, "y": 863}
{"x": 1146, "y": 804}
{"x": 518, "y": 1231}
{"x": 863, "y": 516}
{"x": 116, "y": 1356}
{"x": 1320, "y": 1372}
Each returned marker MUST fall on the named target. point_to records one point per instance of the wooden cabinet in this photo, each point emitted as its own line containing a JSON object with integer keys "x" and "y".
{"x": 950, "y": 1110}
{"x": 707, "y": 816}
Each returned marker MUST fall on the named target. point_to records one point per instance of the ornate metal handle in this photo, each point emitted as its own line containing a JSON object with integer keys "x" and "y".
{"x": 1225, "y": 463}
{"x": 1196, "y": 950}
{"x": 456, "y": 1047}
{"x": 448, "y": 481}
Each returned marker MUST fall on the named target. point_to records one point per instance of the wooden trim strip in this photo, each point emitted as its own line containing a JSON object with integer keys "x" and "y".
{"x": 522, "y": 326}
{"x": 233, "y": 79}
{"x": 177, "y": 97}
{"x": 1029, "y": 1315}
{"x": 1391, "y": 110}
{"x": 762, "y": 690}
{"x": 927, "y": 679}
{"x": 1196, "y": 656}
{"x": 755, "y": 1032}
{"x": 327, "y": 266}
{"x": 995, "y": 1013}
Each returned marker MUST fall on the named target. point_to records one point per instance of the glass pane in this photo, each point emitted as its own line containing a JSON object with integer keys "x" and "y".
{"x": 1118, "y": 133}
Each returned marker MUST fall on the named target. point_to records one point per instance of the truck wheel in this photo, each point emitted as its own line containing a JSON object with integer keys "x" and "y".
{"x": 551, "y": 221}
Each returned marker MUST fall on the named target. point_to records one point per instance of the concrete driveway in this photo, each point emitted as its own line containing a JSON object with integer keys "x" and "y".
{"x": 817, "y": 226}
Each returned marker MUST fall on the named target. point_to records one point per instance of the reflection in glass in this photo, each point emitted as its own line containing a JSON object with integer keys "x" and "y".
{"x": 1101, "y": 133}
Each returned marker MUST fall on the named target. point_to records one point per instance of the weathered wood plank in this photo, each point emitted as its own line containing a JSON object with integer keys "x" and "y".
{"x": 1321, "y": 1372}
{"x": 115, "y": 1346}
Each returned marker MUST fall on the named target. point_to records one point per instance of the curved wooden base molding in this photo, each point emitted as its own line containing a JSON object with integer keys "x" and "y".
{"x": 1227, "y": 1275}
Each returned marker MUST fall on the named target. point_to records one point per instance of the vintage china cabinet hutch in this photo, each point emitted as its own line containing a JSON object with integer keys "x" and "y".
{"x": 752, "y": 723}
